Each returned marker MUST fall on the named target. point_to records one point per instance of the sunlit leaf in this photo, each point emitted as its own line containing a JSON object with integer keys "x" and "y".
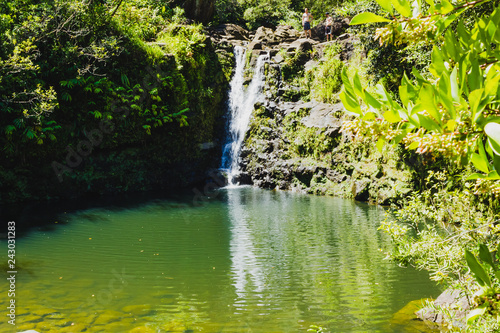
{"x": 480, "y": 163}
{"x": 492, "y": 130}
{"x": 367, "y": 18}
{"x": 480, "y": 274}
{"x": 475, "y": 314}
{"x": 485, "y": 255}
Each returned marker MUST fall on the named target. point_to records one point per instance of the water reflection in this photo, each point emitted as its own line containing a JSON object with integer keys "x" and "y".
{"x": 311, "y": 259}
{"x": 247, "y": 261}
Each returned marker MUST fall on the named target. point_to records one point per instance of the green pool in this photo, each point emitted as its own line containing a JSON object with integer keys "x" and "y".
{"x": 247, "y": 260}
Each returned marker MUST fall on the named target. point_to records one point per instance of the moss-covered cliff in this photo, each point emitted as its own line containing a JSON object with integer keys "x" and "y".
{"x": 294, "y": 140}
{"x": 96, "y": 101}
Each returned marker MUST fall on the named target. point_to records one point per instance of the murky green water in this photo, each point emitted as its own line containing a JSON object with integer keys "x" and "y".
{"x": 249, "y": 260}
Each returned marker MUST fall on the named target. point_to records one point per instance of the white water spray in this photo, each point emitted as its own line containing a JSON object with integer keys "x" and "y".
{"x": 241, "y": 105}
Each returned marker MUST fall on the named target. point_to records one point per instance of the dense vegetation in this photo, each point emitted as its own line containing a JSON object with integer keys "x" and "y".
{"x": 448, "y": 113}
{"x": 92, "y": 91}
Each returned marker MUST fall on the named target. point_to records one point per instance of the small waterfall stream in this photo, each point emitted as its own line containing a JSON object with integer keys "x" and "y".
{"x": 241, "y": 102}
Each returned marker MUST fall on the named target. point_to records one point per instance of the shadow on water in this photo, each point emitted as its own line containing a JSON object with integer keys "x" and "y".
{"x": 46, "y": 216}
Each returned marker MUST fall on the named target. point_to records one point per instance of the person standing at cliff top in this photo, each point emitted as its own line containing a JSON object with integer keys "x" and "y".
{"x": 328, "y": 27}
{"x": 306, "y": 22}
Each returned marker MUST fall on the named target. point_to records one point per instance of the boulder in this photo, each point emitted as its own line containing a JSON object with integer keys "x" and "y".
{"x": 254, "y": 45}
{"x": 359, "y": 189}
{"x": 454, "y": 301}
{"x": 264, "y": 34}
{"x": 235, "y": 31}
{"x": 301, "y": 45}
{"x": 286, "y": 34}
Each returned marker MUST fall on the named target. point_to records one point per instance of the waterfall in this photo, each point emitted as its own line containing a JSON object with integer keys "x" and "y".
{"x": 241, "y": 102}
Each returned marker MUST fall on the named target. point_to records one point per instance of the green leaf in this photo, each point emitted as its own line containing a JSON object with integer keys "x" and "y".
{"x": 428, "y": 103}
{"x": 493, "y": 175}
{"x": 485, "y": 255}
{"x": 369, "y": 116}
{"x": 475, "y": 176}
{"x": 444, "y": 88}
{"x": 413, "y": 145}
{"x": 372, "y": 101}
{"x": 437, "y": 66}
{"x": 482, "y": 277}
{"x": 492, "y": 130}
{"x": 450, "y": 45}
{"x": 475, "y": 98}
{"x": 350, "y": 103}
{"x": 385, "y": 4}
{"x": 358, "y": 88}
{"x": 475, "y": 78}
{"x": 446, "y": 7}
{"x": 455, "y": 89}
{"x": 380, "y": 144}
{"x": 475, "y": 314}
{"x": 403, "y": 7}
{"x": 392, "y": 116}
{"x": 480, "y": 163}
{"x": 496, "y": 162}
{"x": 428, "y": 123}
{"x": 366, "y": 17}
{"x": 491, "y": 85}
{"x": 9, "y": 129}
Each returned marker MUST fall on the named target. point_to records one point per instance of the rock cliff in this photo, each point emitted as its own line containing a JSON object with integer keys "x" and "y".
{"x": 294, "y": 142}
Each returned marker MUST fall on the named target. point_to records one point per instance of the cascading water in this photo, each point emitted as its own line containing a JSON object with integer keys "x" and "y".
{"x": 241, "y": 104}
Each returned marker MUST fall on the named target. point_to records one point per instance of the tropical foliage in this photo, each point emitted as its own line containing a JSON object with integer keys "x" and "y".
{"x": 451, "y": 112}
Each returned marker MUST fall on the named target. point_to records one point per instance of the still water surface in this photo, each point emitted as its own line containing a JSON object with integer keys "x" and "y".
{"x": 249, "y": 260}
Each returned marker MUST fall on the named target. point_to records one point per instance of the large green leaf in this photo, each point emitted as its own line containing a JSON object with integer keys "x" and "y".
{"x": 428, "y": 123}
{"x": 455, "y": 89}
{"x": 492, "y": 130}
{"x": 392, "y": 116}
{"x": 482, "y": 278}
{"x": 437, "y": 65}
{"x": 444, "y": 89}
{"x": 366, "y": 17}
{"x": 485, "y": 255}
{"x": 475, "y": 98}
{"x": 426, "y": 97}
{"x": 475, "y": 314}
{"x": 403, "y": 7}
{"x": 349, "y": 102}
{"x": 496, "y": 162}
{"x": 372, "y": 101}
{"x": 480, "y": 163}
{"x": 475, "y": 176}
{"x": 385, "y": 4}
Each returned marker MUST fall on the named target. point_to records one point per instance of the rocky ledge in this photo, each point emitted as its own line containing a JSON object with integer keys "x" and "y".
{"x": 295, "y": 143}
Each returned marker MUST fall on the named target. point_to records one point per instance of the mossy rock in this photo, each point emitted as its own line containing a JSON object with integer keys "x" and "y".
{"x": 143, "y": 329}
{"x": 174, "y": 326}
{"x": 137, "y": 310}
{"x": 108, "y": 316}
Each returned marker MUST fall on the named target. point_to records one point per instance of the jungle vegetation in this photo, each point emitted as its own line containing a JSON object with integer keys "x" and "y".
{"x": 89, "y": 85}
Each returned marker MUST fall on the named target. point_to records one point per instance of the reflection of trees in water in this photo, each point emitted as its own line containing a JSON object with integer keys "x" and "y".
{"x": 311, "y": 255}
